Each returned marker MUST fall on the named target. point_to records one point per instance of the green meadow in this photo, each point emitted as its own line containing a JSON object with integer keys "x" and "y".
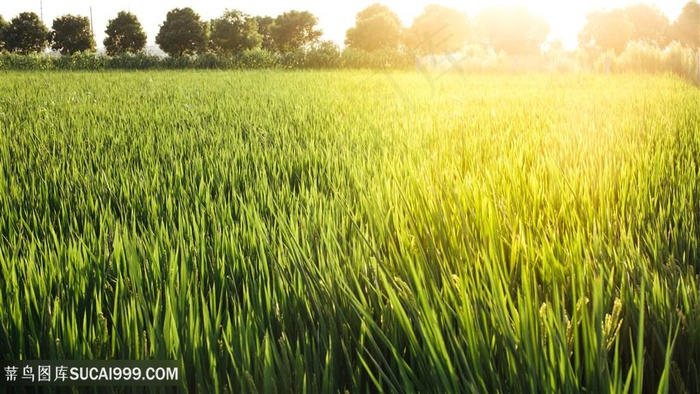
{"x": 355, "y": 231}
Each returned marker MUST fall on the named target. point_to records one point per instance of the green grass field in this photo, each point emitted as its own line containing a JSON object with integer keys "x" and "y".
{"x": 359, "y": 231}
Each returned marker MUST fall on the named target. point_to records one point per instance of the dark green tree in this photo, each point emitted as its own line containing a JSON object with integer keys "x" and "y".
{"x": 686, "y": 29}
{"x": 124, "y": 35}
{"x": 3, "y": 27}
{"x": 234, "y": 32}
{"x": 376, "y": 27}
{"x": 26, "y": 33}
{"x": 438, "y": 29}
{"x": 182, "y": 33}
{"x": 294, "y": 30}
{"x": 513, "y": 30}
{"x": 265, "y": 30}
{"x": 71, "y": 34}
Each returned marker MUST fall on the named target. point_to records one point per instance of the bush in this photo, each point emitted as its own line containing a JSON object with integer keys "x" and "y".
{"x": 324, "y": 55}
{"x": 637, "y": 57}
{"x": 383, "y": 59}
{"x": 294, "y": 59}
{"x": 212, "y": 61}
{"x": 25, "y": 62}
{"x": 178, "y": 62}
{"x": 80, "y": 61}
{"x": 140, "y": 61}
{"x": 683, "y": 61}
{"x": 256, "y": 59}
{"x": 640, "y": 57}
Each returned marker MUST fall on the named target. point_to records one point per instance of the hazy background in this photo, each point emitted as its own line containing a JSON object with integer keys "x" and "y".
{"x": 565, "y": 17}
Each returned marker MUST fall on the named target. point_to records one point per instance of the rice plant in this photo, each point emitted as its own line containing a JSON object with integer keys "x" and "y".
{"x": 355, "y": 231}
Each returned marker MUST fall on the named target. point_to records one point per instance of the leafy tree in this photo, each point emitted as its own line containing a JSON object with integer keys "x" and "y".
{"x": 438, "y": 29}
{"x": 376, "y": 27}
{"x": 71, "y": 34}
{"x": 294, "y": 30}
{"x": 182, "y": 33}
{"x": 516, "y": 31}
{"x": 649, "y": 24}
{"x": 265, "y": 30}
{"x": 124, "y": 35}
{"x": 606, "y": 30}
{"x": 234, "y": 32}
{"x": 686, "y": 29}
{"x": 3, "y": 27}
{"x": 26, "y": 34}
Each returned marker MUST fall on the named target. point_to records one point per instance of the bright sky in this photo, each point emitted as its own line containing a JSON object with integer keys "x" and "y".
{"x": 565, "y": 17}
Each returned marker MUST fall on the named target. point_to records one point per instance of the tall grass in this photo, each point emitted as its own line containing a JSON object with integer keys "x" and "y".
{"x": 332, "y": 231}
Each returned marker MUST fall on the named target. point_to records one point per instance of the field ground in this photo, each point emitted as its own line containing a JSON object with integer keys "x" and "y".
{"x": 368, "y": 231}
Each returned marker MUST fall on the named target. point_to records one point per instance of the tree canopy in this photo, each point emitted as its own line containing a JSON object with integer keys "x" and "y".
{"x": 438, "y": 29}
{"x": 614, "y": 29}
{"x": 294, "y": 30}
{"x": 606, "y": 30}
{"x": 124, "y": 35}
{"x": 648, "y": 23}
{"x": 71, "y": 34}
{"x": 26, "y": 33}
{"x": 3, "y": 27}
{"x": 182, "y": 33}
{"x": 515, "y": 31}
{"x": 265, "y": 30}
{"x": 686, "y": 29}
{"x": 376, "y": 27}
{"x": 234, "y": 32}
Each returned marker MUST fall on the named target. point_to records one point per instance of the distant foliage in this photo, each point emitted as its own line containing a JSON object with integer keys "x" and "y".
{"x": 377, "y": 28}
{"x": 649, "y": 24}
{"x": 647, "y": 58}
{"x": 515, "y": 31}
{"x": 30, "y": 62}
{"x": 234, "y": 32}
{"x": 686, "y": 29}
{"x": 614, "y": 29}
{"x": 124, "y": 35}
{"x": 256, "y": 59}
{"x": 26, "y": 34}
{"x": 264, "y": 24}
{"x": 182, "y": 33}
{"x": 294, "y": 30}
{"x": 323, "y": 55}
{"x": 606, "y": 30}
{"x": 3, "y": 27}
{"x": 82, "y": 61}
{"x": 130, "y": 61}
{"x": 71, "y": 34}
{"x": 378, "y": 59}
{"x": 438, "y": 30}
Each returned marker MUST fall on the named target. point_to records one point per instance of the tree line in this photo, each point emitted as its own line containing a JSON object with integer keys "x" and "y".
{"x": 437, "y": 30}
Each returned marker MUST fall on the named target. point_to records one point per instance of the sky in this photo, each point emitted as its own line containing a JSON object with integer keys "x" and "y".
{"x": 565, "y": 17}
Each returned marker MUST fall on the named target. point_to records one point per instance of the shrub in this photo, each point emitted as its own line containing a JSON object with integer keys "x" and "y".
{"x": 382, "y": 59}
{"x": 139, "y": 61}
{"x": 256, "y": 59}
{"x": 323, "y": 55}
{"x": 25, "y": 62}
{"x": 80, "y": 61}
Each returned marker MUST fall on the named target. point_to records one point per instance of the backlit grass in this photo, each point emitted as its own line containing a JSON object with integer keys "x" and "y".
{"x": 331, "y": 231}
